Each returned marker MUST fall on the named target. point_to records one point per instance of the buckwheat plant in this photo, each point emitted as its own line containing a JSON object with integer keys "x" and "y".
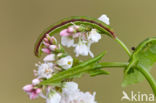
{"x": 54, "y": 75}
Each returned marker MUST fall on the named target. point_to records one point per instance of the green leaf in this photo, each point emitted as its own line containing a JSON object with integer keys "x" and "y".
{"x": 96, "y": 72}
{"x": 75, "y": 71}
{"x": 144, "y": 56}
{"x": 64, "y": 23}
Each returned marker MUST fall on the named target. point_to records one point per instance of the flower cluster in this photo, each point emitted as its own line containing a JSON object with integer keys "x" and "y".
{"x": 71, "y": 94}
{"x": 78, "y": 36}
{"x": 85, "y": 35}
{"x": 85, "y": 39}
{"x": 55, "y": 54}
{"x": 55, "y": 61}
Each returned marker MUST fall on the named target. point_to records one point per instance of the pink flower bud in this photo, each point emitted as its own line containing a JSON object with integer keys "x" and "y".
{"x": 53, "y": 40}
{"x": 38, "y": 90}
{"x": 35, "y": 72}
{"x": 46, "y": 40}
{"x": 64, "y": 33}
{"x": 76, "y": 27}
{"x": 52, "y": 47}
{"x": 28, "y": 88}
{"x": 48, "y": 36}
{"x": 33, "y": 95}
{"x": 46, "y": 50}
{"x": 46, "y": 44}
{"x": 31, "y": 91}
{"x": 77, "y": 35}
{"x": 35, "y": 81}
{"x": 70, "y": 29}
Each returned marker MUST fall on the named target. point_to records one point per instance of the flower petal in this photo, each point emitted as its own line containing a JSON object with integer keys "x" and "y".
{"x": 50, "y": 57}
{"x": 104, "y": 18}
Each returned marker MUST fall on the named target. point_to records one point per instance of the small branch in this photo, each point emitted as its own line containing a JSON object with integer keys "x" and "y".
{"x": 123, "y": 46}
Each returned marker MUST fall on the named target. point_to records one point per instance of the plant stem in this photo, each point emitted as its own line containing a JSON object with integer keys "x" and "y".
{"x": 148, "y": 77}
{"x": 123, "y": 46}
{"x": 143, "y": 70}
{"x": 113, "y": 64}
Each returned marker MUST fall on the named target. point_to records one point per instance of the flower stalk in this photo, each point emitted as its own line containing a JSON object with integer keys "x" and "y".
{"x": 123, "y": 46}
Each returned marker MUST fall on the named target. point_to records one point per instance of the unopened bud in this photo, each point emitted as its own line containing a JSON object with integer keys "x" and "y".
{"x": 71, "y": 29}
{"x": 53, "y": 40}
{"x": 46, "y": 40}
{"x": 48, "y": 36}
{"x": 64, "y": 33}
{"x": 59, "y": 55}
{"x": 52, "y": 47}
{"x": 76, "y": 27}
{"x": 35, "y": 81}
{"x": 46, "y": 44}
{"x": 46, "y": 50}
{"x": 38, "y": 90}
{"x": 28, "y": 88}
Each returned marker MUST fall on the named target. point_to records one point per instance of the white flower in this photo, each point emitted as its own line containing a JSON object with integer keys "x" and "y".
{"x": 94, "y": 36}
{"x": 79, "y": 97}
{"x": 45, "y": 70}
{"x": 70, "y": 88}
{"x": 65, "y": 62}
{"x": 50, "y": 57}
{"x": 54, "y": 98}
{"x": 70, "y": 91}
{"x": 104, "y": 19}
{"x": 82, "y": 49}
{"x": 72, "y": 94}
{"x": 86, "y": 98}
{"x": 67, "y": 41}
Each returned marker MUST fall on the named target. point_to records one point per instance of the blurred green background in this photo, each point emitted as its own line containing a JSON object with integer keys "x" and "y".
{"x": 21, "y": 22}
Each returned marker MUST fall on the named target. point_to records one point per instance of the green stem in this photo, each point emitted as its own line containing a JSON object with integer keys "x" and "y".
{"x": 143, "y": 70}
{"x": 113, "y": 64}
{"x": 123, "y": 46}
{"x": 148, "y": 77}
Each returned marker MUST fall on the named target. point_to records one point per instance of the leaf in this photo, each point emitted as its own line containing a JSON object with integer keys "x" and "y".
{"x": 96, "y": 72}
{"x": 64, "y": 23}
{"x": 73, "y": 72}
{"x": 144, "y": 56}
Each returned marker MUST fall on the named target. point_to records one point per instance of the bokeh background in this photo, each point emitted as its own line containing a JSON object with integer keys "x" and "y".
{"x": 21, "y": 22}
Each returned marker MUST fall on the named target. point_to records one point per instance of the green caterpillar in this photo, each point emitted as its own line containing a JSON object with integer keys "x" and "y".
{"x": 64, "y": 23}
